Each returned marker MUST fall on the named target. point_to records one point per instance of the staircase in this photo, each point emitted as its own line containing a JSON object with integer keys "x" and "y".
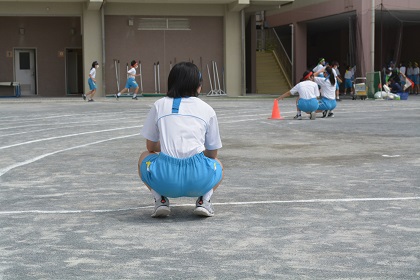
{"x": 270, "y": 78}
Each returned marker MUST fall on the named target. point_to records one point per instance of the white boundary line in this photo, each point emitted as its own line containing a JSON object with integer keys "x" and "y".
{"x": 68, "y": 135}
{"x": 221, "y": 203}
{"x": 29, "y": 161}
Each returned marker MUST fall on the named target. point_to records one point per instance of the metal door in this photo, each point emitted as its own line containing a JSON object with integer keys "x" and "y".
{"x": 25, "y": 70}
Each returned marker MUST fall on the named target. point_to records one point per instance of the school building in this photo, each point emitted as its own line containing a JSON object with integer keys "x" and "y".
{"x": 49, "y": 46}
{"x": 366, "y": 33}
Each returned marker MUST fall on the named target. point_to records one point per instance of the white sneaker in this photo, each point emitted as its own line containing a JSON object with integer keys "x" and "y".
{"x": 312, "y": 115}
{"x": 297, "y": 117}
{"x": 203, "y": 208}
{"x": 161, "y": 208}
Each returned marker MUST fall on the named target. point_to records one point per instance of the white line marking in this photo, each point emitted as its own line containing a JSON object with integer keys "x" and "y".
{"x": 221, "y": 203}
{"x": 69, "y": 135}
{"x": 29, "y": 161}
{"x": 391, "y": 156}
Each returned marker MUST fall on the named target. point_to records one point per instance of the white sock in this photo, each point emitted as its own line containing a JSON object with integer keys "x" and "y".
{"x": 156, "y": 196}
{"x": 208, "y": 195}
{"x": 119, "y": 94}
{"x": 134, "y": 95}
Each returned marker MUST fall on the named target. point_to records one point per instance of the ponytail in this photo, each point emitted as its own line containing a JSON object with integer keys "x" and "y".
{"x": 331, "y": 76}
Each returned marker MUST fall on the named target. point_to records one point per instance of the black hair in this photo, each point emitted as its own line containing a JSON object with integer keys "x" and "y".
{"x": 94, "y": 64}
{"x": 306, "y": 73}
{"x": 184, "y": 80}
{"x": 331, "y": 76}
{"x": 133, "y": 62}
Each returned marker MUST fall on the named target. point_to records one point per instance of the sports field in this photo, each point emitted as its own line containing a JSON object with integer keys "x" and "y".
{"x": 333, "y": 198}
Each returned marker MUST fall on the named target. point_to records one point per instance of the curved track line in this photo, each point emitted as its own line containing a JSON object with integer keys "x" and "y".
{"x": 29, "y": 161}
{"x": 221, "y": 203}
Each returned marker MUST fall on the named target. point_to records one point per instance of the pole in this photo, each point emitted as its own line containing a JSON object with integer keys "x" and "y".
{"x": 158, "y": 76}
{"x": 141, "y": 78}
{"x": 154, "y": 71}
{"x": 243, "y": 50}
{"x": 381, "y": 41}
{"x": 211, "y": 85}
{"x": 293, "y": 53}
{"x": 127, "y": 76}
{"x": 116, "y": 75}
{"x": 372, "y": 37}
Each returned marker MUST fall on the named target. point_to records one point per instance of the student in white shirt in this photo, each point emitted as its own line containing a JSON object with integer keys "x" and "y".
{"x": 328, "y": 87}
{"x": 308, "y": 92}
{"x": 92, "y": 82}
{"x": 321, "y": 65}
{"x": 131, "y": 81}
{"x": 348, "y": 80}
{"x": 416, "y": 78}
{"x": 182, "y": 140}
{"x": 337, "y": 76}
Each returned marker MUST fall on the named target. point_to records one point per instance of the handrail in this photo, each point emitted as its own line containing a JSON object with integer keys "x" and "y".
{"x": 282, "y": 69}
{"x": 273, "y": 43}
{"x": 281, "y": 44}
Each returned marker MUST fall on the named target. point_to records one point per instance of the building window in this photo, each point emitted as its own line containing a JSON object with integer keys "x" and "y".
{"x": 164, "y": 24}
{"x": 24, "y": 61}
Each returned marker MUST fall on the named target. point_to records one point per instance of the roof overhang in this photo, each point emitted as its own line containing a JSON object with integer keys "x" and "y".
{"x": 94, "y": 4}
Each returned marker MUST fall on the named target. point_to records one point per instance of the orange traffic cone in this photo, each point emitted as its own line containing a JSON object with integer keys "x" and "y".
{"x": 275, "y": 115}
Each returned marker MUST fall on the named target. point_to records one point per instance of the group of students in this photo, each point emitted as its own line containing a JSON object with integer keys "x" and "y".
{"x": 397, "y": 77}
{"x": 131, "y": 82}
{"x": 317, "y": 91}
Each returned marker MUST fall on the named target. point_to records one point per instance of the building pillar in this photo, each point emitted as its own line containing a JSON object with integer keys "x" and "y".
{"x": 233, "y": 53}
{"x": 300, "y": 50}
{"x": 365, "y": 41}
{"x": 92, "y": 47}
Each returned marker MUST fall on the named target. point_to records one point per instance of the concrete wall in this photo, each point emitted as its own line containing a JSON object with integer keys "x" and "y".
{"x": 202, "y": 44}
{"x": 48, "y": 36}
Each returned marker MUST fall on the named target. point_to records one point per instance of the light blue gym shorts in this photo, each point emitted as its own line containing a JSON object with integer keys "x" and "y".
{"x": 131, "y": 83}
{"x": 173, "y": 177}
{"x": 327, "y": 104}
{"x": 92, "y": 84}
{"x": 308, "y": 105}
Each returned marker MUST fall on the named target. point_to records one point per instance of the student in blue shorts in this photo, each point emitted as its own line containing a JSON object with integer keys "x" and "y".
{"x": 131, "y": 81}
{"x": 92, "y": 82}
{"x": 308, "y": 92}
{"x": 182, "y": 140}
{"x": 327, "y": 82}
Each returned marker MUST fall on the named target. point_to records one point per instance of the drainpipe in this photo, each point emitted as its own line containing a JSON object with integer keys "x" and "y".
{"x": 293, "y": 53}
{"x": 372, "y": 52}
{"x": 103, "y": 47}
{"x": 243, "y": 64}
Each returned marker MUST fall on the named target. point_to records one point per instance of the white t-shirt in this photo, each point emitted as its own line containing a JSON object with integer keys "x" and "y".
{"x": 92, "y": 73}
{"x": 410, "y": 71}
{"x": 327, "y": 89}
{"x": 317, "y": 68}
{"x": 402, "y": 69}
{"x": 132, "y": 73}
{"x": 349, "y": 74}
{"x": 306, "y": 90}
{"x": 186, "y": 133}
{"x": 416, "y": 71}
